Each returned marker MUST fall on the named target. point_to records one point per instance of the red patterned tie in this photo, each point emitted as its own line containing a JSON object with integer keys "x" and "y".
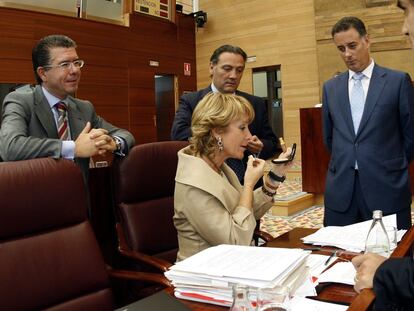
{"x": 63, "y": 130}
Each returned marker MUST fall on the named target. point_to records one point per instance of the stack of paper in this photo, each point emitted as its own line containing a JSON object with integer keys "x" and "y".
{"x": 352, "y": 237}
{"x": 208, "y": 276}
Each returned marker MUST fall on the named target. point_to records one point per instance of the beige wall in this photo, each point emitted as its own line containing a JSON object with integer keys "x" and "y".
{"x": 276, "y": 32}
{"x": 187, "y": 5}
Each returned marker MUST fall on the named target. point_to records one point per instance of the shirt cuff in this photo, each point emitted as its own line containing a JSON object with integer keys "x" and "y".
{"x": 68, "y": 149}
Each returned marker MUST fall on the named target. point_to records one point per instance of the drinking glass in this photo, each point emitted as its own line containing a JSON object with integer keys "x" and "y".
{"x": 273, "y": 299}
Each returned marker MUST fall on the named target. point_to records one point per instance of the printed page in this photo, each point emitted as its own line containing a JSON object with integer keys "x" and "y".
{"x": 341, "y": 272}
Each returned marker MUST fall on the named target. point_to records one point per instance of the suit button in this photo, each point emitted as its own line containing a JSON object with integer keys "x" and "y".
{"x": 356, "y": 145}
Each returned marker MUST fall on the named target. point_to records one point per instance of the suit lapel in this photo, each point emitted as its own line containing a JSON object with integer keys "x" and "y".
{"x": 76, "y": 121}
{"x": 376, "y": 86}
{"x": 343, "y": 100}
{"x": 44, "y": 113}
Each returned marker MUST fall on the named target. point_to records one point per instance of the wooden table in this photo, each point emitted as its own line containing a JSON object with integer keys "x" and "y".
{"x": 337, "y": 293}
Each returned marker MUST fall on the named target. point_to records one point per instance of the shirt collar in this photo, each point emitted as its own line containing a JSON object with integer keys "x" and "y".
{"x": 367, "y": 71}
{"x": 51, "y": 99}
{"x": 213, "y": 88}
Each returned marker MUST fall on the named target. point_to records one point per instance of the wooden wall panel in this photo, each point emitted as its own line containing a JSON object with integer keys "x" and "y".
{"x": 16, "y": 71}
{"x": 277, "y": 33}
{"x": 117, "y": 77}
{"x": 389, "y": 47}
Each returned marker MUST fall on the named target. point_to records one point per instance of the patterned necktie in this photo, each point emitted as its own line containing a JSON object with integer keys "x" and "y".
{"x": 63, "y": 130}
{"x": 357, "y": 100}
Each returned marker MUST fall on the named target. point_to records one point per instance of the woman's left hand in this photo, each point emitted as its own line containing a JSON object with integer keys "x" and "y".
{"x": 282, "y": 169}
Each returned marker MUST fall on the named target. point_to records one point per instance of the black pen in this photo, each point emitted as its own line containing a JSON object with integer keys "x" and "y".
{"x": 330, "y": 257}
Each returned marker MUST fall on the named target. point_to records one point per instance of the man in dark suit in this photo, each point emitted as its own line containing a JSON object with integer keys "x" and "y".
{"x": 392, "y": 279}
{"x": 368, "y": 122}
{"x": 226, "y": 68}
{"x": 34, "y": 126}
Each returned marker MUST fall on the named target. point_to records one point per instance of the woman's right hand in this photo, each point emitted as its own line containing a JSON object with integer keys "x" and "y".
{"x": 254, "y": 171}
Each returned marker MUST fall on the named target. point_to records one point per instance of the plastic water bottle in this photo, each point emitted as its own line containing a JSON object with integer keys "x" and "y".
{"x": 241, "y": 299}
{"x": 377, "y": 239}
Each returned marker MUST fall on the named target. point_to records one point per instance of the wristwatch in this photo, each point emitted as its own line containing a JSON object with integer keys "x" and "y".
{"x": 118, "y": 144}
{"x": 275, "y": 177}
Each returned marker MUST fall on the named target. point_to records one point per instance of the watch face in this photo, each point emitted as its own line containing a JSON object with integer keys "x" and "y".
{"x": 117, "y": 143}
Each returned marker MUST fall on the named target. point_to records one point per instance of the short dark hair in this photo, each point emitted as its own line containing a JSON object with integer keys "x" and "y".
{"x": 227, "y": 48}
{"x": 347, "y": 23}
{"x": 41, "y": 51}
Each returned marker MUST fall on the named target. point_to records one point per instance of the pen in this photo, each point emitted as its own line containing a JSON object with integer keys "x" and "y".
{"x": 330, "y": 257}
{"x": 256, "y": 155}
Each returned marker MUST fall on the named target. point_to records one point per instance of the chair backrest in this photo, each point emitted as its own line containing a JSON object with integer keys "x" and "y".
{"x": 49, "y": 257}
{"x": 145, "y": 198}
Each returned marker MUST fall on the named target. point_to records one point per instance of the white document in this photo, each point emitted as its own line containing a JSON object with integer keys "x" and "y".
{"x": 302, "y": 304}
{"x": 307, "y": 288}
{"x": 316, "y": 263}
{"x": 351, "y": 238}
{"x": 341, "y": 272}
{"x": 235, "y": 263}
{"x": 209, "y": 275}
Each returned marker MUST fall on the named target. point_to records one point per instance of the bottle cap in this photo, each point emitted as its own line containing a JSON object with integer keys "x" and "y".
{"x": 377, "y": 214}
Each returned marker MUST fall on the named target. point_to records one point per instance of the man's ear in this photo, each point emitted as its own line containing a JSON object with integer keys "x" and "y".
{"x": 211, "y": 68}
{"x": 367, "y": 40}
{"x": 41, "y": 72}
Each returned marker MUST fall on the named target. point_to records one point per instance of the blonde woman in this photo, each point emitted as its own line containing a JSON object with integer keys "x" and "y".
{"x": 211, "y": 206}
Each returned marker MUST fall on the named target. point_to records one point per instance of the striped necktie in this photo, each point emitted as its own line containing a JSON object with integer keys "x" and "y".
{"x": 63, "y": 130}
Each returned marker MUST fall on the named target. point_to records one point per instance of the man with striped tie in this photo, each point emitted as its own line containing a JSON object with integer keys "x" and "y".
{"x": 368, "y": 122}
{"x": 47, "y": 121}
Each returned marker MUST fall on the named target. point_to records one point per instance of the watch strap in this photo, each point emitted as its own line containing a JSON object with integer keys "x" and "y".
{"x": 275, "y": 177}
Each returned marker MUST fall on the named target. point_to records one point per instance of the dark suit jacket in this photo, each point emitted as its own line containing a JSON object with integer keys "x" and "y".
{"x": 383, "y": 146}
{"x": 28, "y": 128}
{"x": 181, "y": 129}
{"x": 394, "y": 285}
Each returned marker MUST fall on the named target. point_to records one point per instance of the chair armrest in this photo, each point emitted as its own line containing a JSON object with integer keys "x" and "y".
{"x": 139, "y": 276}
{"x": 126, "y": 251}
{"x": 262, "y": 235}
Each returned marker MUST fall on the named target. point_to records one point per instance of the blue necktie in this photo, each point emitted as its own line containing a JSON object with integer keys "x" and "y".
{"x": 357, "y": 100}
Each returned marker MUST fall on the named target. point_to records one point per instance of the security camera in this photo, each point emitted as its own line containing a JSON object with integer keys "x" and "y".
{"x": 200, "y": 18}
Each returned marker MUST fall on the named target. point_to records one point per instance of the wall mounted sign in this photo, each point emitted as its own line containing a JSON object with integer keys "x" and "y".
{"x": 187, "y": 69}
{"x": 158, "y": 8}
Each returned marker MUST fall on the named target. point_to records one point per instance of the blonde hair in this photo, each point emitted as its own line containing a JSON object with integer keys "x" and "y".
{"x": 216, "y": 111}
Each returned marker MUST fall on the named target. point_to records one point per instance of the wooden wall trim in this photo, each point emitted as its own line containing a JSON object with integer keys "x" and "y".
{"x": 117, "y": 77}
